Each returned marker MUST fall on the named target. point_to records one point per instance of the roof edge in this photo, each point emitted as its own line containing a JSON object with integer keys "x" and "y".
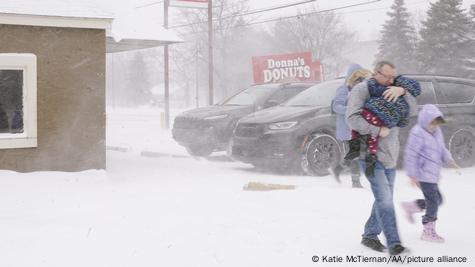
{"x": 134, "y": 44}
{"x": 55, "y": 21}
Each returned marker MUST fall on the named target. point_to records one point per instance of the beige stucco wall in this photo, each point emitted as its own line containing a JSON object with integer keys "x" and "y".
{"x": 71, "y": 98}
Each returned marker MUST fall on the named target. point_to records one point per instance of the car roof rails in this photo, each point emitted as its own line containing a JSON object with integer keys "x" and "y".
{"x": 432, "y": 74}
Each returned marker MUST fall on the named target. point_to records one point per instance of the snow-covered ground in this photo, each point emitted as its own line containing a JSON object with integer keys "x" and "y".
{"x": 170, "y": 209}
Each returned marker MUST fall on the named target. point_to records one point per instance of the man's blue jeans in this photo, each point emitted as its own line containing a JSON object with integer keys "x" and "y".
{"x": 383, "y": 217}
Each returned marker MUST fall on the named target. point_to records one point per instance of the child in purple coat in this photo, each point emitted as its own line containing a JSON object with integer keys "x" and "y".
{"x": 424, "y": 157}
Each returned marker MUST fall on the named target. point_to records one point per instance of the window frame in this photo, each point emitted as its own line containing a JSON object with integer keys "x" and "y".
{"x": 29, "y": 137}
{"x": 301, "y": 88}
{"x": 439, "y": 90}
{"x": 433, "y": 91}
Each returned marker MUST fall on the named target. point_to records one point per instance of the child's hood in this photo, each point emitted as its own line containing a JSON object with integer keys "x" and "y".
{"x": 428, "y": 113}
{"x": 351, "y": 69}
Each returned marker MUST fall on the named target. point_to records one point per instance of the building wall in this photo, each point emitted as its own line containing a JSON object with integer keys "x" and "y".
{"x": 71, "y": 98}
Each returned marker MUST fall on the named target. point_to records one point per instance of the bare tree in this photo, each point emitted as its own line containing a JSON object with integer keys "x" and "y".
{"x": 191, "y": 58}
{"x": 187, "y": 58}
{"x": 324, "y": 34}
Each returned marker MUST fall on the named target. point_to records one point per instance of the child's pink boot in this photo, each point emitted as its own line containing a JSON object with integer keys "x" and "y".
{"x": 429, "y": 234}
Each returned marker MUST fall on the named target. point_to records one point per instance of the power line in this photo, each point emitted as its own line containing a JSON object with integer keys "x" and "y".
{"x": 382, "y": 8}
{"x": 158, "y": 2}
{"x": 247, "y": 13}
{"x": 312, "y": 13}
{"x": 295, "y": 16}
{"x": 150, "y": 4}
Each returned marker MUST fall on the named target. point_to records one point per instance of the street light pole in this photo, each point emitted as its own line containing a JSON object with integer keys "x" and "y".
{"x": 210, "y": 52}
{"x": 166, "y": 4}
{"x": 197, "y": 88}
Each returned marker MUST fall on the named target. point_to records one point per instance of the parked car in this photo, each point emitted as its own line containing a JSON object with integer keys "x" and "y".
{"x": 204, "y": 130}
{"x": 301, "y": 132}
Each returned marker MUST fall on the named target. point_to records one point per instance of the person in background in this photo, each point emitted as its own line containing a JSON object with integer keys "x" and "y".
{"x": 355, "y": 74}
{"x": 423, "y": 159}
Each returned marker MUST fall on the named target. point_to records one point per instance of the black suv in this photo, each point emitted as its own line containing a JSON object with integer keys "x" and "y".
{"x": 204, "y": 130}
{"x": 301, "y": 132}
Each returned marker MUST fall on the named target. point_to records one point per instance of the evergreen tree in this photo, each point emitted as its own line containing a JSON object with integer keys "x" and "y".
{"x": 447, "y": 46}
{"x": 398, "y": 41}
{"x": 472, "y": 12}
{"x": 471, "y": 63}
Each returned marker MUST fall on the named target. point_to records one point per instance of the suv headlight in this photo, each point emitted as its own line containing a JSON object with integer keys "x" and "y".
{"x": 217, "y": 117}
{"x": 282, "y": 125}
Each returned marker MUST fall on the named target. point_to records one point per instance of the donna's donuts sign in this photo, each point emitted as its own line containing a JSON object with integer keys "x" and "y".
{"x": 286, "y": 68}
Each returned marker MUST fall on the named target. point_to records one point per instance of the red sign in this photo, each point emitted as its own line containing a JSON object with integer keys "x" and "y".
{"x": 190, "y": 3}
{"x": 287, "y": 67}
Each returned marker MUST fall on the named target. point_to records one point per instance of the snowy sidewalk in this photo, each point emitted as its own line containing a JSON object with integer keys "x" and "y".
{"x": 182, "y": 211}
{"x": 187, "y": 212}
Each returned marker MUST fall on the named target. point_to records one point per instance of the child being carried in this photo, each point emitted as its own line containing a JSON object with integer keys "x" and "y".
{"x": 380, "y": 112}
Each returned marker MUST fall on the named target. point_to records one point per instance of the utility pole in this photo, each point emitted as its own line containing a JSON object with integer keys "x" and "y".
{"x": 210, "y": 53}
{"x": 197, "y": 79}
{"x": 166, "y": 4}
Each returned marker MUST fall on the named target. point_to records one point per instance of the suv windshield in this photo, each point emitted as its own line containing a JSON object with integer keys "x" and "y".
{"x": 321, "y": 94}
{"x": 250, "y": 96}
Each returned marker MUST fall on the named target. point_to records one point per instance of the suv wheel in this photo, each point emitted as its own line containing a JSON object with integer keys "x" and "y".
{"x": 200, "y": 151}
{"x": 461, "y": 146}
{"x": 321, "y": 153}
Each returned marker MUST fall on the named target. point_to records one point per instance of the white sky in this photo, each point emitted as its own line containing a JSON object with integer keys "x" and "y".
{"x": 366, "y": 20}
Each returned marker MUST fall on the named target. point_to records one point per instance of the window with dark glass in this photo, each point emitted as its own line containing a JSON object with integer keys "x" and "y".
{"x": 427, "y": 95}
{"x": 455, "y": 93}
{"x": 283, "y": 95}
{"x": 11, "y": 101}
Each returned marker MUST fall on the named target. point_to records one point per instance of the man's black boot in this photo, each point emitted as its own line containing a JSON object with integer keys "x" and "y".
{"x": 354, "y": 149}
{"x": 370, "y": 164}
{"x": 373, "y": 244}
{"x": 398, "y": 249}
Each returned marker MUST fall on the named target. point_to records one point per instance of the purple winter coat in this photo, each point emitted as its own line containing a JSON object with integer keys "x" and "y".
{"x": 425, "y": 152}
